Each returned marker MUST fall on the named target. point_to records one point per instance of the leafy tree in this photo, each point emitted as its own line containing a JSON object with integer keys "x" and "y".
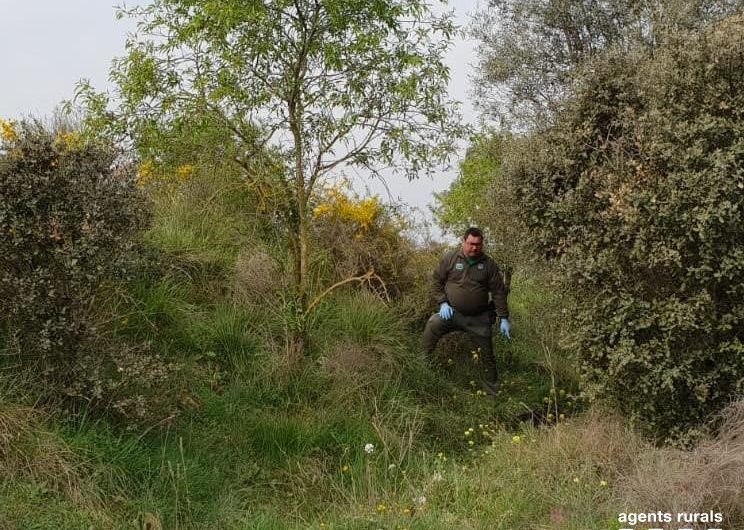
{"x": 319, "y": 84}
{"x": 638, "y": 192}
{"x": 482, "y": 196}
{"x": 465, "y": 203}
{"x": 530, "y": 50}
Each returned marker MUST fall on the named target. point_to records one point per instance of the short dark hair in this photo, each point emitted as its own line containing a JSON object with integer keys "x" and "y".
{"x": 473, "y": 231}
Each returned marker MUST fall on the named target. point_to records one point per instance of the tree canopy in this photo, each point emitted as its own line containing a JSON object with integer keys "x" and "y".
{"x": 530, "y": 51}
{"x": 320, "y": 85}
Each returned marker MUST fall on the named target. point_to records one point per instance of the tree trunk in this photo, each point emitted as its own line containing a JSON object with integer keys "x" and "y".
{"x": 300, "y": 250}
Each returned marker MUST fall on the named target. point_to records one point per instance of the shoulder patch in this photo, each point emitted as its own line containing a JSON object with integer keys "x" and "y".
{"x": 481, "y": 266}
{"x": 459, "y": 266}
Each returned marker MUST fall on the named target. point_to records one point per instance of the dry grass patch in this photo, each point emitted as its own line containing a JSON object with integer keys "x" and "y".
{"x": 257, "y": 278}
{"x": 710, "y": 477}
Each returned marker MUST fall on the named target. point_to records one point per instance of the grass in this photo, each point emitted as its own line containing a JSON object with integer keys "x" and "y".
{"x": 295, "y": 439}
{"x": 264, "y": 441}
{"x": 271, "y": 445}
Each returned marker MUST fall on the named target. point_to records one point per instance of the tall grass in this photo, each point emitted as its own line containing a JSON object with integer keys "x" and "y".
{"x": 362, "y": 433}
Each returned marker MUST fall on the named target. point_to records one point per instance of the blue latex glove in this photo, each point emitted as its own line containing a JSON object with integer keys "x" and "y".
{"x": 505, "y": 328}
{"x": 446, "y": 311}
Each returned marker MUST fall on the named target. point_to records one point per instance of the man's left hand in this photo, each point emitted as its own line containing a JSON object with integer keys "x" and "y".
{"x": 505, "y": 328}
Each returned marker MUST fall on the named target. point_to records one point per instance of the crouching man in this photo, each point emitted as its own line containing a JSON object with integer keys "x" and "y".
{"x": 461, "y": 286}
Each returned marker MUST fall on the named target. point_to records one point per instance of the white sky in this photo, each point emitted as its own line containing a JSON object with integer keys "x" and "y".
{"x": 47, "y": 46}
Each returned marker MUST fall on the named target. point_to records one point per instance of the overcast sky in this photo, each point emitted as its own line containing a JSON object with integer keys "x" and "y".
{"x": 47, "y": 46}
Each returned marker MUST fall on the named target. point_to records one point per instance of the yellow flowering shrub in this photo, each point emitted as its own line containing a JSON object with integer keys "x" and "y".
{"x": 150, "y": 174}
{"x": 341, "y": 203}
{"x": 68, "y": 141}
{"x": 145, "y": 173}
{"x": 7, "y": 131}
{"x": 360, "y": 234}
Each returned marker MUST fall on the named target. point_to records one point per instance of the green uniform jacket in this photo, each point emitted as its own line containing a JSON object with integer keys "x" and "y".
{"x": 466, "y": 287}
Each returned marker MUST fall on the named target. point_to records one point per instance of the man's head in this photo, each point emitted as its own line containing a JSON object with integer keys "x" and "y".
{"x": 472, "y": 242}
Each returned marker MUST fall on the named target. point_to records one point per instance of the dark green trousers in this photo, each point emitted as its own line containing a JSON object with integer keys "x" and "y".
{"x": 478, "y": 329}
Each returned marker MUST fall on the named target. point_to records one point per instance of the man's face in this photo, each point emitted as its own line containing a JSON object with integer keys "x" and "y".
{"x": 472, "y": 246}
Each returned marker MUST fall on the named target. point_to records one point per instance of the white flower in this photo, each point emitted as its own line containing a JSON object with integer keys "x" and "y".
{"x": 369, "y": 449}
{"x": 421, "y": 500}
{"x": 437, "y": 477}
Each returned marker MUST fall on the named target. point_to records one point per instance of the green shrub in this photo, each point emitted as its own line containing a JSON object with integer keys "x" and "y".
{"x": 69, "y": 215}
{"x": 638, "y": 191}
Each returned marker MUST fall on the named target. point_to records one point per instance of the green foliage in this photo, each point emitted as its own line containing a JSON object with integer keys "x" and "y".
{"x": 638, "y": 192}
{"x": 69, "y": 218}
{"x": 285, "y": 89}
{"x": 531, "y": 51}
{"x": 482, "y": 196}
{"x": 466, "y": 203}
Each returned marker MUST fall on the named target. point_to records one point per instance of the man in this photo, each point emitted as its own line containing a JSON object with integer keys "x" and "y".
{"x": 461, "y": 286}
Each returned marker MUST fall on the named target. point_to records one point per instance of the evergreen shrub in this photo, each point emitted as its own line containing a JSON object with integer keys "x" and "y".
{"x": 637, "y": 190}
{"x": 69, "y": 217}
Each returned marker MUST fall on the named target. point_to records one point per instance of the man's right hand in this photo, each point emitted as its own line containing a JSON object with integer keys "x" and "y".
{"x": 446, "y": 311}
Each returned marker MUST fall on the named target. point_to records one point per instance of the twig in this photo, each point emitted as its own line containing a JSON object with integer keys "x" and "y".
{"x": 366, "y": 277}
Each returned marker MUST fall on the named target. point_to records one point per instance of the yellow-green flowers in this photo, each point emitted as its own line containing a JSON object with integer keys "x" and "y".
{"x": 7, "y": 131}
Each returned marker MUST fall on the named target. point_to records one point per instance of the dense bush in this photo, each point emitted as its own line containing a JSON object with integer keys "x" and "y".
{"x": 69, "y": 215}
{"x": 638, "y": 192}
{"x": 360, "y": 235}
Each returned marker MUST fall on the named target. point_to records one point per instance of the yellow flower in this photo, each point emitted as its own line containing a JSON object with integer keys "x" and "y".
{"x": 380, "y": 508}
{"x": 185, "y": 171}
{"x": 68, "y": 141}
{"x": 516, "y": 439}
{"x": 145, "y": 173}
{"x": 7, "y": 131}
{"x": 346, "y": 206}
{"x": 321, "y": 210}
{"x": 602, "y": 483}
{"x": 576, "y": 480}
{"x": 345, "y": 469}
